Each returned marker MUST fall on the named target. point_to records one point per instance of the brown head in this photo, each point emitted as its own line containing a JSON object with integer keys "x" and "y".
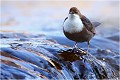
{"x": 74, "y": 10}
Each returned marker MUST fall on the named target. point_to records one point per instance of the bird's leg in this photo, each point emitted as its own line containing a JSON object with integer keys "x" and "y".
{"x": 74, "y": 47}
{"x": 88, "y": 47}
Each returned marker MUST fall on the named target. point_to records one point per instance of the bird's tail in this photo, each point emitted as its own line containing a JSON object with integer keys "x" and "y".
{"x": 95, "y": 24}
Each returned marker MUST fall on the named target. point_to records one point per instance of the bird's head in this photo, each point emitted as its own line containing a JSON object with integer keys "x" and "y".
{"x": 74, "y": 13}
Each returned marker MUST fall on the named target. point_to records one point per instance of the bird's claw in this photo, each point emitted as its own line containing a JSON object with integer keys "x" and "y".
{"x": 78, "y": 50}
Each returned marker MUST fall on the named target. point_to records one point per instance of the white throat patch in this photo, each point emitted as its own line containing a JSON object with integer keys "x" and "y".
{"x": 73, "y": 24}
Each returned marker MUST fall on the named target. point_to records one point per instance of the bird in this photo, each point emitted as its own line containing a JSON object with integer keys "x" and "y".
{"x": 78, "y": 28}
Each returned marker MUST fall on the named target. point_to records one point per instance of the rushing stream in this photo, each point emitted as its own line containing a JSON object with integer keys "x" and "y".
{"x": 44, "y": 58}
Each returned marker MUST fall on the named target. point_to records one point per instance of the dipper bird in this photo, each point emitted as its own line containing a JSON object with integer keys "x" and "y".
{"x": 78, "y": 28}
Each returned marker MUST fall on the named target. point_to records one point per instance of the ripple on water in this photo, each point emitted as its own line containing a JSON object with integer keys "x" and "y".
{"x": 46, "y": 59}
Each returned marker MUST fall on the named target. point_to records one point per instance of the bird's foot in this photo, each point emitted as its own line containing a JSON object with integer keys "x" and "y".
{"x": 86, "y": 50}
{"x": 77, "y": 51}
{"x": 73, "y": 50}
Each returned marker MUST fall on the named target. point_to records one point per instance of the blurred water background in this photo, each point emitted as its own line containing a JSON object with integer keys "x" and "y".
{"x": 46, "y": 17}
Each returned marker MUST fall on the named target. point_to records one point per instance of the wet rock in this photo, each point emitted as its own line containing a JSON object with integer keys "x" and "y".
{"x": 88, "y": 67}
{"x": 46, "y": 59}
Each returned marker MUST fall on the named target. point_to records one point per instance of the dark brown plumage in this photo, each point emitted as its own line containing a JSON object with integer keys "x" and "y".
{"x": 88, "y": 28}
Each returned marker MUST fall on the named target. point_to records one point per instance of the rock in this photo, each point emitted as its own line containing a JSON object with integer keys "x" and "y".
{"x": 46, "y": 59}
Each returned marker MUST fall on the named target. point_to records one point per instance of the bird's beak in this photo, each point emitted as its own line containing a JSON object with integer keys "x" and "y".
{"x": 70, "y": 12}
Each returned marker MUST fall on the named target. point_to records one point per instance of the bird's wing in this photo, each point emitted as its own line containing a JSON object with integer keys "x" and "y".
{"x": 87, "y": 23}
{"x": 65, "y": 19}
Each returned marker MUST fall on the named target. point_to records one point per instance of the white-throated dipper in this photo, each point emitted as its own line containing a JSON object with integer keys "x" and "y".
{"x": 78, "y": 28}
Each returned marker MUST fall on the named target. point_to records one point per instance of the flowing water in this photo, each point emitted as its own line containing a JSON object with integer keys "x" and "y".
{"x": 43, "y": 58}
{"x": 33, "y": 45}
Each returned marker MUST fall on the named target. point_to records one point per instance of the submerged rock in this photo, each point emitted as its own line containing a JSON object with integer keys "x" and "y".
{"x": 42, "y": 58}
{"x": 87, "y": 67}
